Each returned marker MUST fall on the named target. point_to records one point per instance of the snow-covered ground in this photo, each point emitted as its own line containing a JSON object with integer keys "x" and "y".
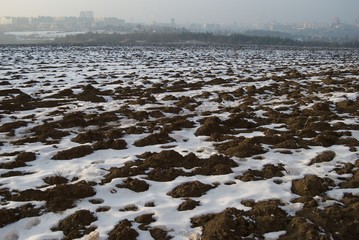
{"x": 264, "y": 106}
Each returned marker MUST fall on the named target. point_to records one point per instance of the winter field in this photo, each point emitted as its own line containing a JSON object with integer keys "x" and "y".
{"x": 178, "y": 142}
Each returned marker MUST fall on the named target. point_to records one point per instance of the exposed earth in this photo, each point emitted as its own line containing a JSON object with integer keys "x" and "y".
{"x": 178, "y": 142}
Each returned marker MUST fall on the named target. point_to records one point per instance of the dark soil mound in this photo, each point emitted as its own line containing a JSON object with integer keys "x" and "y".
{"x": 209, "y": 126}
{"x": 244, "y": 149}
{"x": 230, "y": 224}
{"x": 134, "y": 185}
{"x": 325, "y": 156}
{"x": 123, "y": 231}
{"x": 190, "y": 189}
{"x": 326, "y": 139}
{"x": 117, "y": 144}
{"x": 88, "y": 137}
{"x": 237, "y": 121}
{"x": 348, "y": 106}
{"x": 8, "y": 127}
{"x": 90, "y": 94}
{"x": 334, "y": 222}
{"x": 310, "y": 186}
{"x": 75, "y": 152}
{"x": 15, "y": 214}
{"x": 58, "y": 198}
{"x": 153, "y": 139}
{"x": 159, "y": 234}
{"x": 189, "y": 204}
{"x": 165, "y": 175}
{"x": 269, "y": 171}
{"x": 53, "y": 180}
{"x": 20, "y": 160}
{"x": 76, "y": 225}
{"x": 145, "y": 220}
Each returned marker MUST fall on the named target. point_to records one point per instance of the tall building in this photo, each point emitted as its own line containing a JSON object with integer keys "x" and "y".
{"x": 86, "y": 14}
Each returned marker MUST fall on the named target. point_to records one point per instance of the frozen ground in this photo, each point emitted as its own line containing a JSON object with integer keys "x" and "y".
{"x": 178, "y": 143}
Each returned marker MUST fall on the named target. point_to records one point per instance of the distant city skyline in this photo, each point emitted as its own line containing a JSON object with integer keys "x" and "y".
{"x": 191, "y": 11}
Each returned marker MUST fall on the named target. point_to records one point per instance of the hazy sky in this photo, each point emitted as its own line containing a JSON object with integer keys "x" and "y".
{"x": 187, "y": 11}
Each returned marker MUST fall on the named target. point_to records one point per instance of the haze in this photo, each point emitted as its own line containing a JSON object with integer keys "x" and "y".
{"x": 190, "y": 11}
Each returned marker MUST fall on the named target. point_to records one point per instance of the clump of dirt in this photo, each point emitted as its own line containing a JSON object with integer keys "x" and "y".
{"x": 178, "y": 124}
{"x": 164, "y": 166}
{"x": 88, "y": 137}
{"x": 117, "y": 144}
{"x": 189, "y": 204}
{"x": 75, "y": 152}
{"x": 301, "y": 228}
{"x": 14, "y": 173}
{"x": 129, "y": 207}
{"x": 145, "y": 220}
{"x": 268, "y": 216}
{"x": 165, "y": 175}
{"x": 76, "y": 225}
{"x": 54, "y": 180}
{"x": 310, "y": 185}
{"x": 20, "y": 160}
{"x": 9, "y": 127}
{"x": 123, "y": 230}
{"x": 134, "y": 185}
{"x": 333, "y": 222}
{"x": 237, "y": 121}
{"x": 12, "y": 215}
{"x": 325, "y": 156}
{"x": 352, "y": 182}
{"x": 229, "y": 224}
{"x": 153, "y": 139}
{"x": 159, "y": 234}
{"x": 210, "y": 125}
{"x": 76, "y": 119}
{"x": 326, "y": 139}
{"x": 348, "y": 106}
{"x": 269, "y": 171}
{"x": 129, "y": 170}
{"x": 90, "y": 94}
{"x": 243, "y": 149}
{"x": 190, "y": 189}
{"x": 58, "y": 198}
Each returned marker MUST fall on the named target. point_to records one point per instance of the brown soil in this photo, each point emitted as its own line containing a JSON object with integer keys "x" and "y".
{"x": 8, "y": 127}
{"x": 145, "y": 220}
{"x": 153, "y": 139}
{"x": 165, "y": 162}
{"x": 58, "y": 198}
{"x": 20, "y": 160}
{"x": 190, "y": 189}
{"x": 269, "y": 171}
{"x": 134, "y": 185}
{"x": 243, "y": 149}
{"x": 189, "y": 204}
{"x": 117, "y": 144}
{"x": 310, "y": 186}
{"x": 325, "y": 156}
{"x": 76, "y": 225}
{"x": 159, "y": 234}
{"x": 75, "y": 152}
{"x": 123, "y": 230}
{"x": 12, "y": 215}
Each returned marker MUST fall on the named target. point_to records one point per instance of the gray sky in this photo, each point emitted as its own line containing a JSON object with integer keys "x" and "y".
{"x": 188, "y": 11}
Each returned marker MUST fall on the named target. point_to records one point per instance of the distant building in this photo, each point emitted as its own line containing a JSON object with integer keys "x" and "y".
{"x": 5, "y": 20}
{"x": 335, "y": 22}
{"x": 357, "y": 20}
{"x": 87, "y": 14}
{"x": 87, "y": 19}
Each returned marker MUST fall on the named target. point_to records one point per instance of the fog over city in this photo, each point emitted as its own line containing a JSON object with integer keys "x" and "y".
{"x": 187, "y": 11}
